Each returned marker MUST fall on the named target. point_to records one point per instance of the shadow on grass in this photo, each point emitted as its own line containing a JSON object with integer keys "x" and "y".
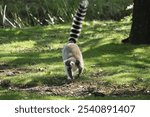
{"x": 20, "y": 95}
{"x": 11, "y": 95}
{"x": 31, "y": 58}
{"x": 116, "y": 54}
{"x": 55, "y": 80}
{"x": 49, "y": 33}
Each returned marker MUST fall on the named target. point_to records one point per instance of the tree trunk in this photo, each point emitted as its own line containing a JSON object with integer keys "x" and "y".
{"x": 140, "y": 30}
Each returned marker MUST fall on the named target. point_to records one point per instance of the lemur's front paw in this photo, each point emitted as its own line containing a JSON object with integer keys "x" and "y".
{"x": 69, "y": 78}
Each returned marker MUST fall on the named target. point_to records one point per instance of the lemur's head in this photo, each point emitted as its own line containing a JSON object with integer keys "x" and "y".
{"x": 69, "y": 63}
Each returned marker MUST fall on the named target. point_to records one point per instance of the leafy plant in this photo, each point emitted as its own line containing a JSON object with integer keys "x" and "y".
{"x": 43, "y": 12}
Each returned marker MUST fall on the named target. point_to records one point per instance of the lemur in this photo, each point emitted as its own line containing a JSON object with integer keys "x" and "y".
{"x": 72, "y": 56}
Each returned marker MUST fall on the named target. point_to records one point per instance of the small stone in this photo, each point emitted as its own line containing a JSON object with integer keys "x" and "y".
{"x": 81, "y": 86}
{"x": 10, "y": 73}
{"x": 89, "y": 94}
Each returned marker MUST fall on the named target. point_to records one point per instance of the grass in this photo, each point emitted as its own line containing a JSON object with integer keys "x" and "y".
{"x": 31, "y": 57}
{"x": 15, "y": 95}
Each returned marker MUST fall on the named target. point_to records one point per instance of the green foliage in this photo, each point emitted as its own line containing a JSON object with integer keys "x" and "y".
{"x": 43, "y": 12}
{"x": 31, "y": 57}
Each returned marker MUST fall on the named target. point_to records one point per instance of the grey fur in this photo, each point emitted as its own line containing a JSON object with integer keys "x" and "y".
{"x": 73, "y": 60}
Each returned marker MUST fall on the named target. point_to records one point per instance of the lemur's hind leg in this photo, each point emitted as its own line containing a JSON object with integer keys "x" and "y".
{"x": 80, "y": 68}
{"x": 80, "y": 71}
{"x": 68, "y": 69}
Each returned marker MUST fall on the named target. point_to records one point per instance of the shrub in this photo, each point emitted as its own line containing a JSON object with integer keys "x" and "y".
{"x": 43, "y": 12}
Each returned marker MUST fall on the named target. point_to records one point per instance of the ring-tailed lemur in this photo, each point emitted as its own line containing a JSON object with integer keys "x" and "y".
{"x": 72, "y": 56}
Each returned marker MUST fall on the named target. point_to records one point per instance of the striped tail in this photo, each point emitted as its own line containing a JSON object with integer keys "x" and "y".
{"x": 77, "y": 21}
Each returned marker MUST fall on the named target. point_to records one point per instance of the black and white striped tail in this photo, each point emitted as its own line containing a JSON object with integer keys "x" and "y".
{"x": 77, "y": 21}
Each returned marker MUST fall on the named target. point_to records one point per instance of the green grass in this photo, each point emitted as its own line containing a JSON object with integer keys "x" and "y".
{"x": 32, "y": 57}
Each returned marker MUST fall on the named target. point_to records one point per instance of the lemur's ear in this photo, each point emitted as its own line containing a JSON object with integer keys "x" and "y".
{"x": 67, "y": 63}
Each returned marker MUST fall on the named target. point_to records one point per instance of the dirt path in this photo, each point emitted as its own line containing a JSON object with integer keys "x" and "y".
{"x": 84, "y": 89}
